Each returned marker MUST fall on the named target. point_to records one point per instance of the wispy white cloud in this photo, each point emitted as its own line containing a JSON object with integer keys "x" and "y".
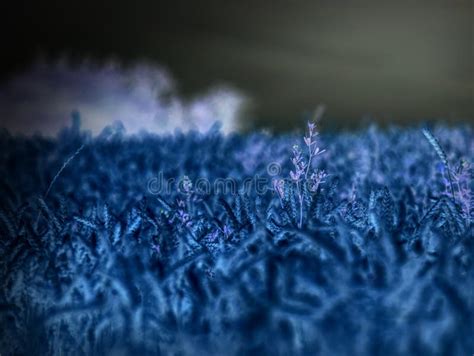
{"x": 143, "y": 97}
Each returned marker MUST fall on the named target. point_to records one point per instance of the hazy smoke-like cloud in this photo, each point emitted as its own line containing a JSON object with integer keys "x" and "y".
{"x": 143, "y": 97}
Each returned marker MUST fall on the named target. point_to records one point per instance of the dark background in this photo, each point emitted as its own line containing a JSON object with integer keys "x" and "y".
{"x": 395, "y": 61}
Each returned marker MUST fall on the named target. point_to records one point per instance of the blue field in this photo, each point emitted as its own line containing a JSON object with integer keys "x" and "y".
{"x": 354, "y": 243}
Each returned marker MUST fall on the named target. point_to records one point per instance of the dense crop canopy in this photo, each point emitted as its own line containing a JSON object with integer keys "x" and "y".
{"x": 154, "y": 244}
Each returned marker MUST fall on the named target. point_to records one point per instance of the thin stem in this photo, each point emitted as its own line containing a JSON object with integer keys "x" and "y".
{"x": 62, "y": 168}
{"x": 300, "y": 196}
{"x": 309, "y": 163}
{"x": 310, "y": 148}
{"x": 450, "y": 182}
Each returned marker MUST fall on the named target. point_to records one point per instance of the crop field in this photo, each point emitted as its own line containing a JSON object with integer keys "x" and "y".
{"x": 349, "y": 243}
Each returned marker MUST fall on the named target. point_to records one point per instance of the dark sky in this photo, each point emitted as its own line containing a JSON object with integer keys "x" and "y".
{"x": 395, "y": 60}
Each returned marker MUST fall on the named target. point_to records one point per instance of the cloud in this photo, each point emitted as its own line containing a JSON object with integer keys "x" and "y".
{"x": 143, "y": 97}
